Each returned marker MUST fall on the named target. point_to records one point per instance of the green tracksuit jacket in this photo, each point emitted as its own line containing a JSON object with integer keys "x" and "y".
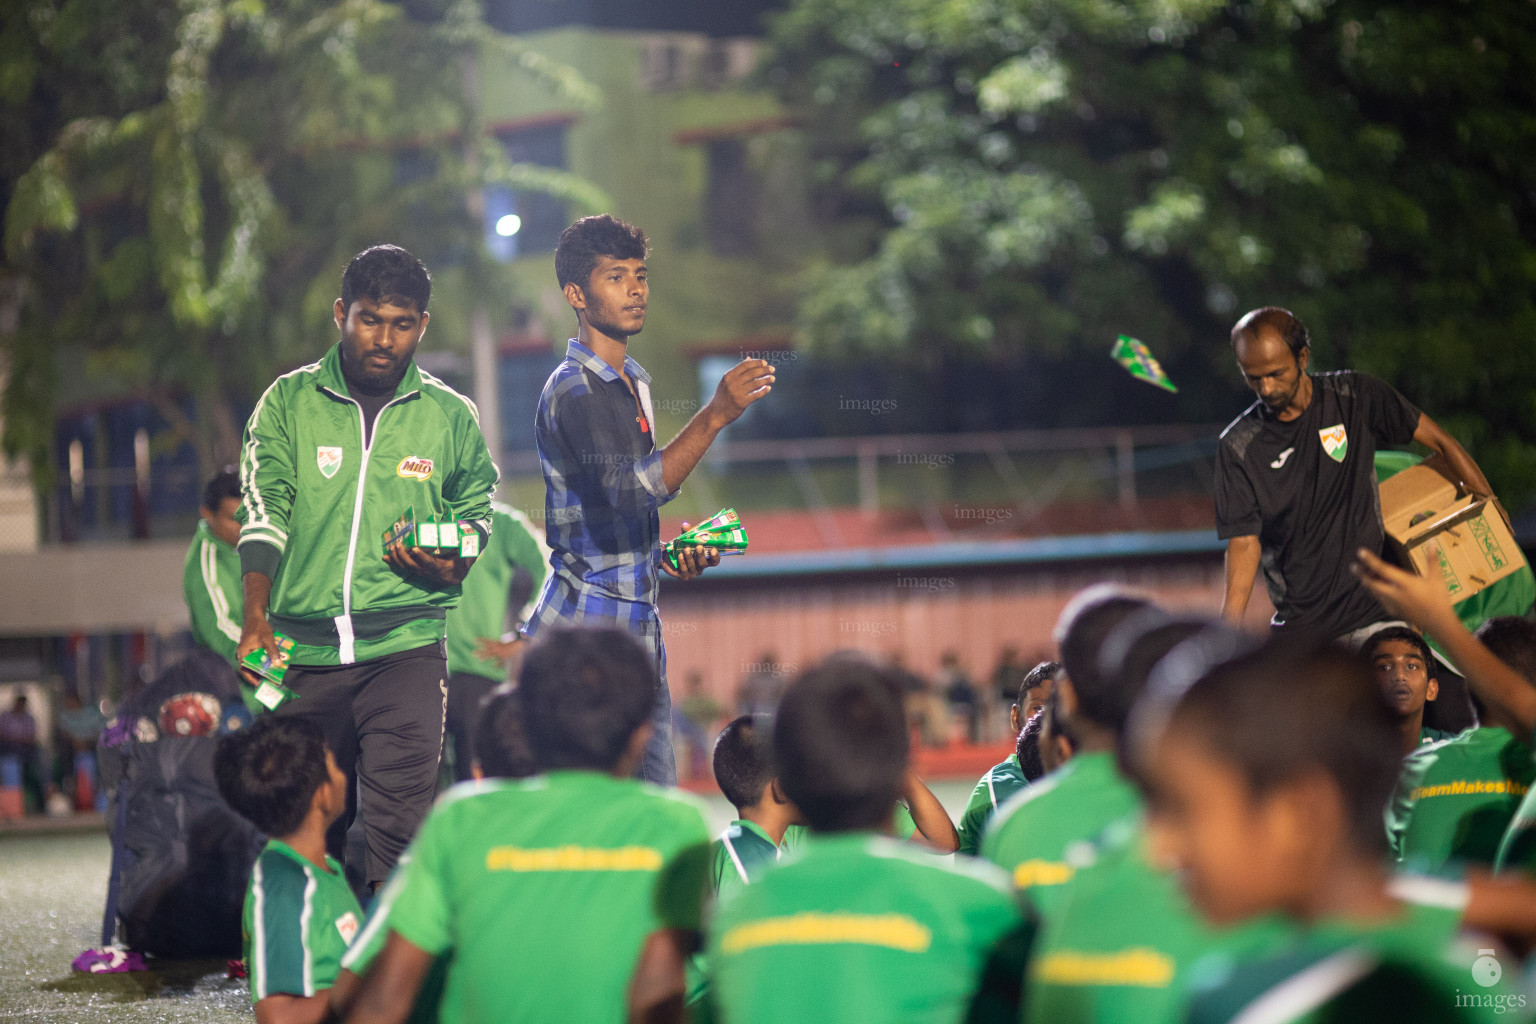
{"x": 210, "y": 584}
{"x": 482, "y": 613}
{"x": 317, "y": 502}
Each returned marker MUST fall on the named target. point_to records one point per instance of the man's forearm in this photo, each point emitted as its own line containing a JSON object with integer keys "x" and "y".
{"x": 1242, "y": 568}
{"x": 1493, "y": 681}
{"x": 930, "y": 817}
{"x": 1432, "y": 435}
{"x": 679, "y": 458}
{"x": 257, "y": 588}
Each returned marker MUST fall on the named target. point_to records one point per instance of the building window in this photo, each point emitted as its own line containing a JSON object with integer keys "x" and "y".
{"x": 730, "y": 198}
{"x": 520, "y": 223}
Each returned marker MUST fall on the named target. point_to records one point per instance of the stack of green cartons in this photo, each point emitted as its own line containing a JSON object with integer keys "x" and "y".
{"x": 444, "y": 537}
{"x": 723, "y": 532}
{"x": 270, "y": 692}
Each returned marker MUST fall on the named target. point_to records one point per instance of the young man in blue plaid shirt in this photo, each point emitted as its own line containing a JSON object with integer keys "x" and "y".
{"x": 604, "y": 477}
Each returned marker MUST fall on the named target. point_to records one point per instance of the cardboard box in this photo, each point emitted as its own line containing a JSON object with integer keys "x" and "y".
{"x": 1476, "y": 549}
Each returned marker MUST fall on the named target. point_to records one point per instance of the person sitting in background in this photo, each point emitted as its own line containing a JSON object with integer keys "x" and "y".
{"x": 960, "y": 694}
{"x": 858, "y": 928}
{"x": 1007, "y": 777}
{"x": 300, "y": 913}
{"x": 210, "y": 574}
{"x": 1007, "y": 677}
{"x": 693, "y": 718}
{"x": 1265, "y": 776}
{"x": 18, "y": 739}
{"x": 1405, "y": 668}
{"x": 1034, "y": 836}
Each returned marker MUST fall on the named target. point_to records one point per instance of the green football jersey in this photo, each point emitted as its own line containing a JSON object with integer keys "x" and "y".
{"x": 1428, "y": 735}
{"x": 861, "y": 928}
{"x": 542, "y": 890}
{"x": 741, "y": 855}
{"x": 1455, "y": 798}
{"x": 990, "y": 793}
{"x": 298, "y": 921}
{"x": 1046, "y": 831}
{"x": 482, "y": 610}
{"x": 1517, "y": 847}
{"x": 1408, "y": 969}
{"x": 1124, "y": 942}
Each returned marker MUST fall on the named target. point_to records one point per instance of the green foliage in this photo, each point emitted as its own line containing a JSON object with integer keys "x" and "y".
{"x": 1043, "y": 175}
{"x": 183, "y": 181}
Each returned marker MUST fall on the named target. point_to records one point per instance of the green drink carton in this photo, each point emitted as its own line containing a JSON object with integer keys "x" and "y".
{"x": 270, "y": 691}
{"x": 722, "y": 532}
{"x": 426, "y": 535}
{"x": 404, "y": 529}
{"x": 469, "y": 541}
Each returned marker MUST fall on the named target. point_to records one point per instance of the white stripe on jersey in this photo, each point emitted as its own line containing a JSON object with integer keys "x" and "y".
{"x": 1308, "y": 989}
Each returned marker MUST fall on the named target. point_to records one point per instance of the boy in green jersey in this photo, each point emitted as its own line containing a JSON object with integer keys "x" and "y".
{"x": 859, "y": 926}
{"x": 1007, "y": 778}
{"x": 300, "y": 913}
{"x": 1406, "y": 670}
{"x": 543, "y": 890}
{"x": 1040, "y": 835}
{"x": 744, "y": 769}
{"x": 499, "y": 747}
{"x": 1123, "y": 943}
{"x": 1266, "y": 770}
{"x": 1456, "y": 798}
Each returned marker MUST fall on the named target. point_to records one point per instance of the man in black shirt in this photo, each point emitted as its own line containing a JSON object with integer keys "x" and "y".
{"x": 1296, "y": 478}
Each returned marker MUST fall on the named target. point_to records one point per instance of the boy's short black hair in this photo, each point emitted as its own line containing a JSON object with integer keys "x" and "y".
{"x": 1045, "y": 672}
{"x": 1288, "y": 708}
{"x": 1512, "y": 640}
{"x": 1060, "y": 723}
{"x": 743, "y": 761}
{"x": 588, "y": 240}
{"x": 1081, "y": 631}
{"x": 386, "y": 273}
{"x": 500, "y": 740}
{"x": 1407, "y": 636}
{"x": 840, "y": 744}
{"x": 269, "y": 771}
{"x": 1027, "y": 748}
{"x": 223, "y": 484}
{"x": 585, "y": 692}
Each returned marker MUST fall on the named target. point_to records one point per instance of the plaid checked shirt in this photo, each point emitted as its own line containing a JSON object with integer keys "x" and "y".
{"x": 602, "y": 489}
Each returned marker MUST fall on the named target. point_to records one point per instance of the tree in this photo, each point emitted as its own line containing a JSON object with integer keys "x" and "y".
{"x": 189, "y": 179}
{"x": 1041, "y": 175}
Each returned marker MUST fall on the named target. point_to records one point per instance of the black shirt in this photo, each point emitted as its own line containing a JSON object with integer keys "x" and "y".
{"x": 1307, "y": 489}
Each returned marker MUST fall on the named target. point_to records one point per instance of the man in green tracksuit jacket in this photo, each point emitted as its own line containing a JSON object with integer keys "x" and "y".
{"x": 333, "y": 453}
{"x": 210, "y": 577}
{"x": 477, "y": 652}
